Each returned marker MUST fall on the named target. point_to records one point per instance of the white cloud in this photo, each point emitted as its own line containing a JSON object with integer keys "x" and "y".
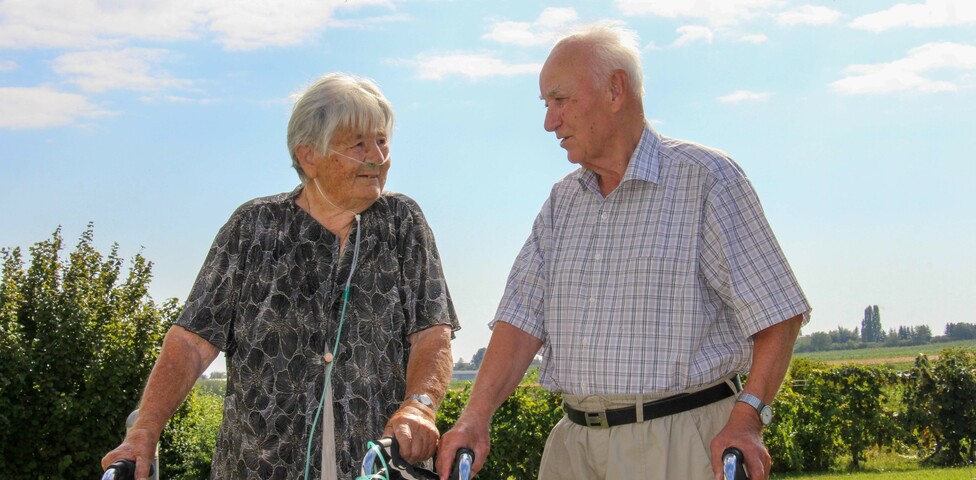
{"x": 757, "y": 38}
{"x": 42, "y": 107}
{"x": 127, "y": 69}
{"x": 907, "y": 74}
{"x": 715, "y": 12}
{"x": 745, "y": 96}
{"x": 692, "y": 34}
{"x": 932, "y": 13}
{"x": 808, "y": 15}
{"x": 544, "y": 30}
{"x": 472, "y": 66}
{"x": 253, "y": 24}
{"x": 8, "y": 65}
{"x": 237, "y": 25}
{"x": 93, "y": 23}
{"x": 368, "y": 22}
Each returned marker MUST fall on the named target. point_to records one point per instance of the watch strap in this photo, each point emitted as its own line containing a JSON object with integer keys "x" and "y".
{"x": 762, "y": 409}
{"x": 423, "y": 399}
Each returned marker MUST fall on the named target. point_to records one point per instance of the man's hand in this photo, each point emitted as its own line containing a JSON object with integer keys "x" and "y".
{"x": 467, "y": 432}
{"x": 139, "y": 445}
{"x": 744, "y": 431}
{"x": 414, "y": 428}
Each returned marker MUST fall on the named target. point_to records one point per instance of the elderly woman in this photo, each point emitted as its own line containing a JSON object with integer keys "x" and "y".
{"x": 329, "y": 303}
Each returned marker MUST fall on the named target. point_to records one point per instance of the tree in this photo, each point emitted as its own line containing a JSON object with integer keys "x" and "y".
{"x": 819, "y": 341}
{"x": 960, "y": 331}
{"x": 843, "y": 335}
{"x": 77, "y": 341}
{"x": 478, "y": 357}
{"x": 871, "y": 331}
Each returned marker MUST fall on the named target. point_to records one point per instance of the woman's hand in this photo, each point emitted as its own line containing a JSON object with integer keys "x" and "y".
{"x": 139, "y": 445}
{"x": 414, "y": 428}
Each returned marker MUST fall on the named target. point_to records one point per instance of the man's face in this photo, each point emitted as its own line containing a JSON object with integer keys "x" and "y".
{"x": 573, "y": 110}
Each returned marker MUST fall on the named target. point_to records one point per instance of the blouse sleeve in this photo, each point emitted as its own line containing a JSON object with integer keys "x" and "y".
{"x": 426, "y": 299}
{"x": 211, "y": 307}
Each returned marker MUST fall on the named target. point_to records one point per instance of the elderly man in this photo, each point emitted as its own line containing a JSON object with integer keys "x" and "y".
{"x": 649, "y": 280}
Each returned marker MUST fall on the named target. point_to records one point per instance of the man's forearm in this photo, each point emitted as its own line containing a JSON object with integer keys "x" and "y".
{"x": 510, "y": 352}
{"x": 772, "y": 351}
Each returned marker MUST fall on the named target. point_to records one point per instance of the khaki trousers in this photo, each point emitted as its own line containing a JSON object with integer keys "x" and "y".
{"x": 676, "y": 447}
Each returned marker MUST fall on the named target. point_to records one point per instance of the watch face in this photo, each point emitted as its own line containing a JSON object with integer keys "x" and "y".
{"x": 766, "y": 415}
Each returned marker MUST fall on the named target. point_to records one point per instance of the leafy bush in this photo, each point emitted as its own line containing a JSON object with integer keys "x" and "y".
{"x": 803, "y": 437}
{"x": 188, "y": 441}
{"x": 77, "y": 341}
{"x": 941, "y": 407}
{"x": 518, "y": 432}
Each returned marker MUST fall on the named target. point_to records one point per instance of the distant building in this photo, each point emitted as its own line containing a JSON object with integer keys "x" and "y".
{"x": 464, "y": 375}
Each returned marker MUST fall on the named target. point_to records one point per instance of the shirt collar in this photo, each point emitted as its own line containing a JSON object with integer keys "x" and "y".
{"x": 644, "y": 164}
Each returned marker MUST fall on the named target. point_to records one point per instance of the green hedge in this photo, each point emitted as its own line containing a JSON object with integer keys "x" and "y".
{"x": 823, "y": 413}
{"x": 518, "y": 430}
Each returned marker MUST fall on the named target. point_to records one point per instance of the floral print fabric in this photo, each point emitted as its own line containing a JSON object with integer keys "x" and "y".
{"x": 270, "y": 295}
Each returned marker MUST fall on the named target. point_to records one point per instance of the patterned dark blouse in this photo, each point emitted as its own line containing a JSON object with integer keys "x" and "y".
{"x": 269, "y": 295}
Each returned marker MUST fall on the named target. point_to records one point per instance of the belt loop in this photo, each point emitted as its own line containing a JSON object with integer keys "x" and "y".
{"x": 735, "y": 383}
{"x": 640, "y": 408}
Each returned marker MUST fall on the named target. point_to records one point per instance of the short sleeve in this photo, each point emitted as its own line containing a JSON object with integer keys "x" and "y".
{"x": 742, "y": 261}
{"x": 210, "y": 309}
{"x": 425, "y": 296}
{"x": 523, "y": 303}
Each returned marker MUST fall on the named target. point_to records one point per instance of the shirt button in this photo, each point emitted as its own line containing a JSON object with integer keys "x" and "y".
{"x": 586, "y": 341}
{"x": 592, "y": 300}
{"x": 598, "y": 256}
{"x": 603, "y": 216}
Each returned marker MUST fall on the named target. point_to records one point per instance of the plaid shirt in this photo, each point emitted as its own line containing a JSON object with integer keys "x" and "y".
{"x": 657, "y": 287}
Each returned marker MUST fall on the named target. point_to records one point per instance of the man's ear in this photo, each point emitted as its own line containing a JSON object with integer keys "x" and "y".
{"x": 618, "y": 89}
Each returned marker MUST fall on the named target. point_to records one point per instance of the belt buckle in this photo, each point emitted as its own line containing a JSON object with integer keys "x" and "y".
{"x": 596, "y": 419}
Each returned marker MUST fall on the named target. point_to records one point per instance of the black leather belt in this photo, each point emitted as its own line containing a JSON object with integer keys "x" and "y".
{"x": 656, "y": 409}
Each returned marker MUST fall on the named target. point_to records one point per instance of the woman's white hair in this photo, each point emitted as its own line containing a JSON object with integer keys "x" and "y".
{"x": 336, "y": 103}
{"x": 614, "y": 48}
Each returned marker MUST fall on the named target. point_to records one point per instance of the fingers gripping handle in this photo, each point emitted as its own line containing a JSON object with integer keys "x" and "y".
{"x": 462, "y": 464}
{"x": 124, "y": 470}
{"x": 733, "y": 464}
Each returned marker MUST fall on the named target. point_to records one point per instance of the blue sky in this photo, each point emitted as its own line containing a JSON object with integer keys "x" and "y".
{"x": 855, "y": 120}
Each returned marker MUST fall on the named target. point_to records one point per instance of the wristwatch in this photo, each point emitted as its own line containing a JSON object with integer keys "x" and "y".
{"x": 764, "y": 411}
{"x": 424, "y": 400}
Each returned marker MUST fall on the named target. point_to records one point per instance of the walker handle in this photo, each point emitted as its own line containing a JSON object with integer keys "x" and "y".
{"x": 733, "y": 464}
{"x": 462, "y": 464}
{"x": 124, "y": 470}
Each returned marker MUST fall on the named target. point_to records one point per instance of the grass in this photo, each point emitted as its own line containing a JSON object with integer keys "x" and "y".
{"x": 961, "y": 473}
{"x": 897, "y": 356}
{"x": 886, "y": 466}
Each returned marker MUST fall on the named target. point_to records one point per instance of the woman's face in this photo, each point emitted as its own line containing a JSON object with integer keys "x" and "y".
{"x": 352, "y": 173}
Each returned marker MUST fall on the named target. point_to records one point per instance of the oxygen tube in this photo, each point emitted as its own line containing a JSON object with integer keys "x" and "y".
{"x": 335, "y": 349}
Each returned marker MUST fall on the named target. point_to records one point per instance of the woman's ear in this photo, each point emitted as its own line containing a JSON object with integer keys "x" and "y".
{"x": 306, "y": 158}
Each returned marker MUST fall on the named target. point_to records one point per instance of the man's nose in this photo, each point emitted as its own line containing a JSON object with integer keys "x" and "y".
{"x": 553, "y": 119}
